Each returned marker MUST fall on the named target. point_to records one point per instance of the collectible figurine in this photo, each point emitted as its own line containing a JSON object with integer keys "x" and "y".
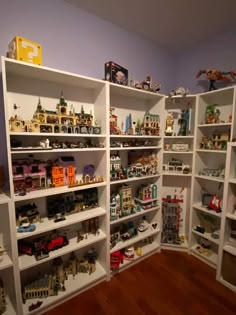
{"x": 214, "y": 75}
{"x": 212, "y": 114}
{"x": 181, "y": 91}
{"x": 169, "y": 125}
{"x": 184, "y": 123}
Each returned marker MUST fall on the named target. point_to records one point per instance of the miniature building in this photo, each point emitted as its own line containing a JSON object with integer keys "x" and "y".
{"x": 40, "y": 288}
{"x": 171, "y": 220}
{"x": 151, "y": 124}
{"x": 126, "y": 203}
{"x": 219, "y": 140}
{"x": 113, "y": 123}
{"x": 142, "y": 163}
{"x": 59, "y": 121}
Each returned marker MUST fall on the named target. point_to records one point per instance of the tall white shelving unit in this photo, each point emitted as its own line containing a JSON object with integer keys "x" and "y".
{"x": 23, "y": 84}
{"x": 125, "y": 101}
{"x": 177, "y": 182}
{"x": 227, "y": 248}
{"x": 210, "y": 158}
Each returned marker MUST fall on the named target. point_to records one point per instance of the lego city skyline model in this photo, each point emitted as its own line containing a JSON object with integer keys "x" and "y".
{"x": 62, "y": 120}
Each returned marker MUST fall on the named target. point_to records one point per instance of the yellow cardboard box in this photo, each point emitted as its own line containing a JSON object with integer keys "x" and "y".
{"x": 24, "y": 49}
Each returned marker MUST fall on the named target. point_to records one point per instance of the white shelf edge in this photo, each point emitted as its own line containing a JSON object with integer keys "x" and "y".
{"x": 135, "y": 136}
{"x": 177, "y": 152}
{"x": 55, "y": 191}
{"x": 26, "y": 262}
{"x": 176, "y": 174}
{"x": 211, "y": 151}
{"x": 133, "y": 240}
{"x": 4, "y": 197}
{"x": 139, "y": 213}
{"x": 230, "y": 249}
{"x": 58, "y": 151}
{"x": 178, "y": 137}
{"x": 206, "y": 236}
{"x": 214, "y": 125}
{"x": 6, "y": 261}
{"x": 230, "y": 216}
{"x": 49, "y": 225}
{"x": 133, "y": 179}
{"x": 135, "y": 148}
{"x": 198, "y": 206}
{"x": 212, "y": 178}
{"x": 181, "y": 247}
{"x": 227, "y": 284}
{"x": 211, "y": 260}
{"x": 50, "y": 134}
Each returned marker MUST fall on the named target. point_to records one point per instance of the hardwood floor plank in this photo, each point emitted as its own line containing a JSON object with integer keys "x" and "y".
{"x": 169, "y": 283}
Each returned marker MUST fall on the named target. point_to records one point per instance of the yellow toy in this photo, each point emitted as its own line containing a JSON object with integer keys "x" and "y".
{"x": 24, "y": 49}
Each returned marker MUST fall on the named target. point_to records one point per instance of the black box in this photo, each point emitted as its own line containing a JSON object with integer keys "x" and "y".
{"x": 115, "y": 73}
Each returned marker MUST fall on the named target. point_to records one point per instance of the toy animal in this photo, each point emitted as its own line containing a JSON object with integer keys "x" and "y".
{"x": 214, "y": 75}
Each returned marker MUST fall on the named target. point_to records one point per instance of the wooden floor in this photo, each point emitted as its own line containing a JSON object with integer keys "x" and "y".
{"x": 169, "y": 283}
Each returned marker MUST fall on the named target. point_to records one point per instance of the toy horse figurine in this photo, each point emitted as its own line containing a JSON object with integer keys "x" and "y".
{"x": 214, "y": 75}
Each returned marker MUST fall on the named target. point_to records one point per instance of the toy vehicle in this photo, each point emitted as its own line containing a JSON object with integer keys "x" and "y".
{"x": 26, "y": 227}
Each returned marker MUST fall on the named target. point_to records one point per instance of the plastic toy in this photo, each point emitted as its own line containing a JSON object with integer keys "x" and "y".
{"x": 212, "y": 114}
{"x": 176, "y": 166}
{"x": 34, "y": 306}
{"x": 184, "y": 122}
{"x": 26, "y": 50}
{"x": 143, "y": 225}
{"x": 169, "y": 125}
{"x": 171, "y": 220}
{"x": 180, "y": 91}
{"x": 180, "y": 147}
{"x": 146, "y": 196}
{"x": 129, "y": 253}
{"x": 26, "y": 227}
{"x": 214, "y": 75}
{"x": 60, "y": 121}
{"x": 116, "y": 259}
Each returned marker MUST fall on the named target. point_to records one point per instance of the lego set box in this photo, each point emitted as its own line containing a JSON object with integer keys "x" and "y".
{"x": 115, "y": 73}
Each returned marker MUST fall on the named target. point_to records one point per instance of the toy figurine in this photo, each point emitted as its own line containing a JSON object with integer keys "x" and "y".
{"x": 179, "y": 91}
{"x": 184, "y": 123}
{"x": 214, "y": 75}
{"x": 212, "y": 114}
{"x": 169, "y": 125}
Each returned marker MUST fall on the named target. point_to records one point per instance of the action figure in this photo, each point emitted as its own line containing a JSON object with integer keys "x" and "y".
{"x": 214, "y": 75}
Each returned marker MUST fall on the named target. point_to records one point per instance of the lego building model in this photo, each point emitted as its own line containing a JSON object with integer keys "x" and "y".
{"x": 146, "y": 196}
{"x": 149, "y": 125}
{"x": 218, "y": 141}
{"x": 171, "y": 220}
{"x": 121, "y": 204}
{"x": 212, "y": 114}
{"x": 60, "y": 121}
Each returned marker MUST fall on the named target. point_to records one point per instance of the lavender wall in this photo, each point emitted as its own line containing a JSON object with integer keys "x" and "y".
{"x": 218, "y": 52}
{"x": 76, "y": 41}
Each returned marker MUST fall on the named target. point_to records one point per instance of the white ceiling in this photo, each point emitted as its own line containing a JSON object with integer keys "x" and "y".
{"x": 172, "y": 24}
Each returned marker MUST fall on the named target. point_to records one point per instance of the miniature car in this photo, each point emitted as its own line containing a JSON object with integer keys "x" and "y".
{"x": 26, "y": 227}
